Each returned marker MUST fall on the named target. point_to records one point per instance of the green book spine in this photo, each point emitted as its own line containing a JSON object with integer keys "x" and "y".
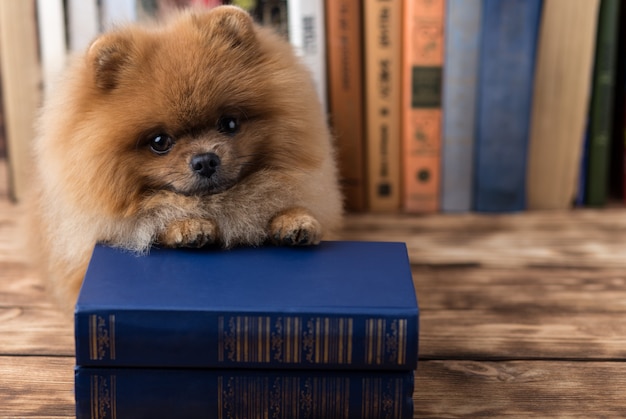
{"x": 601, "y": 107}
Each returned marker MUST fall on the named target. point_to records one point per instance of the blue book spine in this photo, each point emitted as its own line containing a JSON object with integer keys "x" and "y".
{"x": 204, "y": 339}
{"x": 152, "y": 393}
{"x": 507, "y": 63}
{"x": 460, "y": 82}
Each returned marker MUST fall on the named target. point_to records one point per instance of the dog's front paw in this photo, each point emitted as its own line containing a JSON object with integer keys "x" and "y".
{"x": 192, "y": 232}
{"x": 295, "y": 227}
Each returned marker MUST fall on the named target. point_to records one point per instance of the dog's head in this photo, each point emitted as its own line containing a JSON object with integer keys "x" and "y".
{"x": 193, "y": 100}
{"x": 193, "y": 107}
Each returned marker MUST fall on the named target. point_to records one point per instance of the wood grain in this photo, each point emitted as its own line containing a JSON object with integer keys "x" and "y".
{"x": 582, "y": 239}
{"x": 20, "y": 286}
{"x": 512, "y": 335}
{"x": 36, "y": 387}
{"x": 521, "y": 290}
{"x": 35, "y": 331}
{"x": 520, "y": 389}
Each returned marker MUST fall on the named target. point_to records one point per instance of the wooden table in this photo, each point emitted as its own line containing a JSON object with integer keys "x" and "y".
{"x": 522, "y": 315}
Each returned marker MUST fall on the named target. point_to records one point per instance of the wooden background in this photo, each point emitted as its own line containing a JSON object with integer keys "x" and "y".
{"x": 522, "y": 315}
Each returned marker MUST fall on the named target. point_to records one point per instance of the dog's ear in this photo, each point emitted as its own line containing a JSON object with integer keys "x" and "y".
{"x": 108, "y": 56}
{"x": 229, "y": 22}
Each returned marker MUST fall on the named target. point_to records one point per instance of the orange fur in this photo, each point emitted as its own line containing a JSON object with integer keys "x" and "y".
{"x": 213, "y": 82}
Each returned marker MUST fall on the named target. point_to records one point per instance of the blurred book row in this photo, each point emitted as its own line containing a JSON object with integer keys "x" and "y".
{"x": 436, "y": 105}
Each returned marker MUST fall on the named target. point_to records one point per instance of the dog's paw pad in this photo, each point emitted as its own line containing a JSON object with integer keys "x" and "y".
{"x": 295, "y": 229}
{"x": 189, "y": 233}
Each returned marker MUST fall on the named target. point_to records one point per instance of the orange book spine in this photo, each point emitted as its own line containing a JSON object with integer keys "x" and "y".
{"x": 383, "y": 52}
{"x": 345, "y": 96}
{"x": 422, "y": 70}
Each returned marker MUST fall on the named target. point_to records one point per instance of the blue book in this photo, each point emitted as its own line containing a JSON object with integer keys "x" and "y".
{"x": 339, "y": 305}
{"x": 105, "y": 393}
{"x": 507, "y": 65}
{"x": 460, "y": 82}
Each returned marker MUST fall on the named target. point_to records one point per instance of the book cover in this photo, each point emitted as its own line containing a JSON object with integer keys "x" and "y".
{"x": 601, "y": 107}
{"x": 345, "y": 97}
{"x": 560, "y": 104}
{"x": 507, "y": 63}
{"x": 460, "y": 83}
{"x": 105, "y": 393}
{"x": 422, "y": 72}
{"x": 307, "y": 34}
{"x": 383, "y": 20}
{"x": 339, "y": 305}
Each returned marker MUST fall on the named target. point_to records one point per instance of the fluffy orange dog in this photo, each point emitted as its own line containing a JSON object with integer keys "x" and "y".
{"x": 204, "y": 131}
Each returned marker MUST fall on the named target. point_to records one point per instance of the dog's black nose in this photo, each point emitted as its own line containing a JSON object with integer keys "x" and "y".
{"x": 205, "y": 164}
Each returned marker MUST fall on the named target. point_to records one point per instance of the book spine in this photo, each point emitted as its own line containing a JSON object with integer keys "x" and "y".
{"x": 21, "y": 96}
{"x": 152, "y": 393}
{"x": 460, "y": 81}
{"x": 83, "y": 23}
{"x": 560, "y": 103}
{"x": 622, "y": 138}
{"x": 345, "y": 82}
{"x": 383, "y": 20}
{"x": 422, "y": 71}
{"x": 623, "y": 156}
{"x": 272, "y": 14}
{"x": 52, "y": 48}
{"x": 582, "y": 173}
{"x": 601, "y": 108}
{"x": 117, "y": 12}
{"x": 616, "y": 152}
{"x": 307, "y": 35}
{"x": 508, "y": 45}
{"x": 246, "y": 340}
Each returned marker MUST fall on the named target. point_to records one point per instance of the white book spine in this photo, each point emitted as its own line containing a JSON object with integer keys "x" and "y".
{"x": 117, "y": 12}
{"x": 83, "y": 23}
{"x": 53, "y": 51}
{"x": 307, "y": 33}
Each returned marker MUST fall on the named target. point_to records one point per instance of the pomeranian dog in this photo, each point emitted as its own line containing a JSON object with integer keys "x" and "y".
{"x": 206, "y": 130}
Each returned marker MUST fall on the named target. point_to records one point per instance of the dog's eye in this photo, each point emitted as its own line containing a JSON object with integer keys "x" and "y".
{"x": 161, "y": 143}
{"x": 228, "y": 125}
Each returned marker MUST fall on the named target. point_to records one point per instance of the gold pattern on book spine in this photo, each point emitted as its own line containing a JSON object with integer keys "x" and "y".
{"x": 381, "y": 398}
{"x": 283, "y": 397}
{"x": 385, "y": 341}
{"x": 285, "y": 339}
{"x": 328, "y": 340}
{"x": 103, "y": 397}
{"x": 101, "y": 337}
